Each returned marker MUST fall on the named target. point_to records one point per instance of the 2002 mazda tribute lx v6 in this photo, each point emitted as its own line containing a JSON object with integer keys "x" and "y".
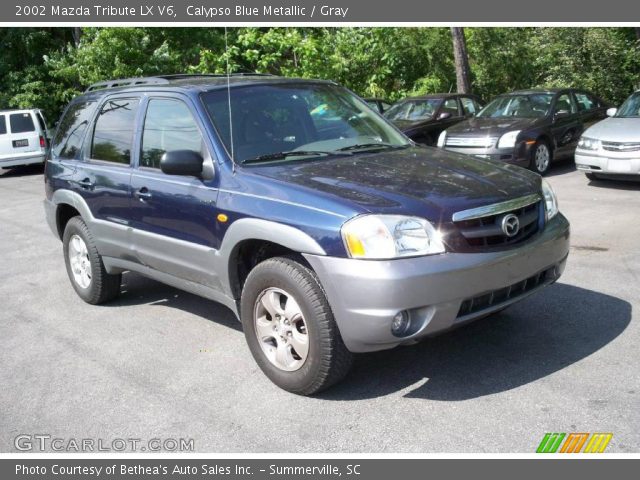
{"x": 291, "y": 202}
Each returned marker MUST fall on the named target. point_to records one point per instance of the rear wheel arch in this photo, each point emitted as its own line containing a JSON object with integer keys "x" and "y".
{"x": 64, "y": 213}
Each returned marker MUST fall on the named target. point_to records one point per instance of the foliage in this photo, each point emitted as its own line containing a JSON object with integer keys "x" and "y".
{"x": 45, "y": 68}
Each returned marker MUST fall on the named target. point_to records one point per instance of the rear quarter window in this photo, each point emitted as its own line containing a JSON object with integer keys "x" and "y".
{"x": 71, "y": 129}
{"x": 3, "y": 125}
{"x": 21, "y": 123}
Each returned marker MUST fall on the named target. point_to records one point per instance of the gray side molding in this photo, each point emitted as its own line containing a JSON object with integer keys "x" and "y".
{"x": 258, "y": 229}
{"x": 75, "y": 200}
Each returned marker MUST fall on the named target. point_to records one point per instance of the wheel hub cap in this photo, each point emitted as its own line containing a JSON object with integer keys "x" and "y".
{"x": 79, "y": 261}
{"x": 281, "y": 329}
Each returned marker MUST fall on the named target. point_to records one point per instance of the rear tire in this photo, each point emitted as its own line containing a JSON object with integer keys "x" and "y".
{"x": 290, "y": 329}
{"x": 84, "y": 265}
{"x": 541, "y": 157}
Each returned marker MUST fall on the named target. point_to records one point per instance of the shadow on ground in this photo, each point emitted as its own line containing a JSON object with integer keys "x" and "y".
{"x": 547, "y": 332}
{"x": 630, "y": 183}
{"x": 22, "y": 171}
{"x": 562, "y": 167}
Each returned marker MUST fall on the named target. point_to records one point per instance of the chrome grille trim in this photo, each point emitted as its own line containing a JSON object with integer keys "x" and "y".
{"x": 620, "y": 147}
{"x": 496, "y": 208}
{"x": 478, "y": 142}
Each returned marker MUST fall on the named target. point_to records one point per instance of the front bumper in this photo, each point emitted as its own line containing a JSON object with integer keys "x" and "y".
{"x": 365, "y": 295}
{"x": 519, "y": 155}
{"x": 613, "y": 163}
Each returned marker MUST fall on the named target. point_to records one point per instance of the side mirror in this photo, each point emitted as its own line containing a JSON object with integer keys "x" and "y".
{"x": 444, "y": 116}
{"x": 611, "y": 112}
{"x": 182, "y": 162}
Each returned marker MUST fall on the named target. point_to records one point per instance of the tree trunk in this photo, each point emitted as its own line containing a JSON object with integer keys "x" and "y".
{"x": 462, "y": 60}
{"x": 77, "y": 34}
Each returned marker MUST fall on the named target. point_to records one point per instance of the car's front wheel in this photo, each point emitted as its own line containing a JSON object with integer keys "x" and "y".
{"x": 84, "y": 265}
{"x": 541, "y": 157}
{"x": 290, "y": 329}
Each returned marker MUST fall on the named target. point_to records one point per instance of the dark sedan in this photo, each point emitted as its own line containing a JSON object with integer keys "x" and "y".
{"x": 423, "y": 118}
{"x": 530, "y": 128}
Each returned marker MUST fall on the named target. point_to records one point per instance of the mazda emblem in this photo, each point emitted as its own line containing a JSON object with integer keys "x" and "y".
{"x": 510, "y": 225}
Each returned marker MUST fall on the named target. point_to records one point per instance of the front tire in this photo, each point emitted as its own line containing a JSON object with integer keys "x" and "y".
{"x": 290, "y": 329}
{"x": 541, "y": 157}
{"x": 84, "y": 265}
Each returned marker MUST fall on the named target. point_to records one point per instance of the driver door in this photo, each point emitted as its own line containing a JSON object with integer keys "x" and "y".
{"x": 567, "y": 125}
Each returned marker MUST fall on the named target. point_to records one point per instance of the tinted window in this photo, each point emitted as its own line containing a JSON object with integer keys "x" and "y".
{"x": 3, "y": 125}
{"x": 631, "y": 107}
{"x": 564, "y": 104}
{"x": 21, "y": 123}
{"x": 450, "y": 106}
{"x": 68, "y": 139}
{"x": 113, "y": 133}
{"x": 168, "y": 126}
{"x": 40, "y": 118}
{"x": 468, "y": 105}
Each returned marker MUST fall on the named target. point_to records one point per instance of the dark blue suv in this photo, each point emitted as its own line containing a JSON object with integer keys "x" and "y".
{"x": 317, "y": 222}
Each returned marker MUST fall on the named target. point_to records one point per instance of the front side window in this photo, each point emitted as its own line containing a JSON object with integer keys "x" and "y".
{"x": 631, "y": 107}
{"x": 564, "y": 104}
{"x": 522, "y": 106}
{"x": 413, "y": 110}
{"x": 468, "y": 105}
{"x": 292, "y": 121}
{"x": 168, "y": 126}
{"x": 70, "y": 132}
{"x": 451, "y": 107}
{"x": 21, "y": 123}
{"x": 113, "y": 132}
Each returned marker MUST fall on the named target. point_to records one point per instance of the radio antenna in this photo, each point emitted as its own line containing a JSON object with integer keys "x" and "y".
{"x": 226, "y": 49}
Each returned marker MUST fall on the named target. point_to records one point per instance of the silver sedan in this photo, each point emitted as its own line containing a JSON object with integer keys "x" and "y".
{"x": 612, "y": 146}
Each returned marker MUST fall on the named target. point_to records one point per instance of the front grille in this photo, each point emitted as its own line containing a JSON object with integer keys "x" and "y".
{"x": 471, "y": 142}
{"x": 495, "y": 298}
{"x": 486, "y": 231}
{"x": 620, "y": 147}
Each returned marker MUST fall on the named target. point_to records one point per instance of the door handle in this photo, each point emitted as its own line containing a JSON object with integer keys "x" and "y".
{"x": 86, "y": 183}
{"x": 142, "y": 194}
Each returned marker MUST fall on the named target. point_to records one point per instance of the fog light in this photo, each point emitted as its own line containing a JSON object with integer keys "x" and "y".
{"x": 401, "y": 323}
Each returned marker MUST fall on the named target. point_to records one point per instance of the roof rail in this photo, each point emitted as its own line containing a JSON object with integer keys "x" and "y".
{"x": 164, "y": 79}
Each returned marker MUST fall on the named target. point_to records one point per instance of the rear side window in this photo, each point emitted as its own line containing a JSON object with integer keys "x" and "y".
{"x": 43, "y": 126}
{"x": 450, "y": 106}
{"x": 468, "y": 105}
{"x": 68, "y": 139}
{"x": 113, "y": 132}
{"x": 3, "y": 125}
{"x": 168, "y": 126}
{"x": 21, "y": 123}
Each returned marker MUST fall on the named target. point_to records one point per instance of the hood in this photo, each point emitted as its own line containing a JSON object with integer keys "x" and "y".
{"x": 422, "y": 181}
{"x": 494, "y": 127}
{"x": 406, "y": 125}
{"x": 616, "y": 129}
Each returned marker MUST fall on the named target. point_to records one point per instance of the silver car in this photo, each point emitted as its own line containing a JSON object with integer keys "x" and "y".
{"x": 612, "y": 147}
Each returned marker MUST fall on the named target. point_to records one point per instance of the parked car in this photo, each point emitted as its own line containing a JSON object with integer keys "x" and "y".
{"x": 611, "y": 148}
{"x": 423, "y": 118}
{"x": 23, "y": 137}
{"x": 325, "y": 234}
{"x": 530, "y": 128}
{"x": 378, "y": 104}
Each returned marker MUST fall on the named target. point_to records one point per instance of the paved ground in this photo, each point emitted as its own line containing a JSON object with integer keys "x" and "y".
{"x": 162, "y": 363}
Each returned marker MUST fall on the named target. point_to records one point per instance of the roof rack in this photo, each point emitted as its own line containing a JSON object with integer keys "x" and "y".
{"x": 164, "y": 79}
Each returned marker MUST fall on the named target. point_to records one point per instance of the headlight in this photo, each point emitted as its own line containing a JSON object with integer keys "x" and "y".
{"x": 586, "y": 143}
{"x": 390, "y": 236}
{"x": 550, "y": 200}
{"x": 442, "y": 139}
{"x": 508, "y": 140}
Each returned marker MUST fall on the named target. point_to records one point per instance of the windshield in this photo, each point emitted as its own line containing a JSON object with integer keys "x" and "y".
{"x": 414, "y": 109}
{"x": 631, "y": 107}
{"x": 273, "y": 122}
{"x": 523, "y": 106}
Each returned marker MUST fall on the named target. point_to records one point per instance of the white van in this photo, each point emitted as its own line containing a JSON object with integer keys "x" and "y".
{"x": 23, "y": 137}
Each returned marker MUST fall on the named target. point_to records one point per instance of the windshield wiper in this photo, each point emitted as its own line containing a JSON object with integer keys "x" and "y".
{"x": 362, "y": 146}
{"x": 282, "y": 155}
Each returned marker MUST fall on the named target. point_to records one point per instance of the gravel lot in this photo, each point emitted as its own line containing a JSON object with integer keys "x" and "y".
{"x": 160, "y": 363}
